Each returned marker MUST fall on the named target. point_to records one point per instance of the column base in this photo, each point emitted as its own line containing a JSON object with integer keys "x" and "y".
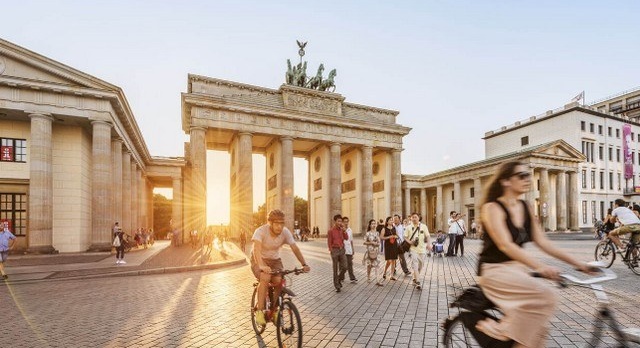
{"x": 100, "y": 247}
{"x": 43, "y": 249}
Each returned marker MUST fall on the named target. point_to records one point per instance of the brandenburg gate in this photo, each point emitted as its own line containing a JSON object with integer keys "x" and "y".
{"x": 353, "y": 151}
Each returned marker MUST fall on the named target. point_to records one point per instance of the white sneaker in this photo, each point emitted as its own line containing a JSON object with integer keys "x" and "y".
{"x": 117, "y": 262}
{"x": 122, "y": 262}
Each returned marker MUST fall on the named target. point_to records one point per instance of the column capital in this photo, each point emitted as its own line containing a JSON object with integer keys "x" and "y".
{"x": 286, "y": 137}
{"x": 335, "y": 144}
{"x": 117, "y": 140}
{"x": 368, "y": 147}
{"x": 196, "y": 128}
{"x": 246, "y": 133}
{"x": 96, "y": 122}
{"x": 42, "y": 115}
{"x": 397, "y": 150}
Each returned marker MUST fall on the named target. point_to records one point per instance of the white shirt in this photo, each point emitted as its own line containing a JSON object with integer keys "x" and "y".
{"x": 271, "y": 245}
{"x": 348, "y": 250}
{"x": 453, "y": 227}
{"x": 461, "y": 227}
{"x": 421, "y": 234}
{"x": 625, "y": 216}
{"x": 400, "y": 232}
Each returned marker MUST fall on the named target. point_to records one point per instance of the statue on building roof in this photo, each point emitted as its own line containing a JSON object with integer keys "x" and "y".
{"x": 297, "y": 75}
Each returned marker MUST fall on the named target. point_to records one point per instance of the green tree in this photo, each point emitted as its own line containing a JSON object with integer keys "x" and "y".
{"x": 162, "y": 210}
{"x": 260, "y": 216}
{"x": 301, "y": 211}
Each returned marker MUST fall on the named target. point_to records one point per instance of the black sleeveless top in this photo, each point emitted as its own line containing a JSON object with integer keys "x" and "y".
{"x": 491, "y": 253}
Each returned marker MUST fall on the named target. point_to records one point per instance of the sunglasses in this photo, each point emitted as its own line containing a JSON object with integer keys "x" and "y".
{"x": 522, "y": 175}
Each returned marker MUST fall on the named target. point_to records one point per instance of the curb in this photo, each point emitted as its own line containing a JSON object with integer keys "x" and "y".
{"x": 151, "y": 271}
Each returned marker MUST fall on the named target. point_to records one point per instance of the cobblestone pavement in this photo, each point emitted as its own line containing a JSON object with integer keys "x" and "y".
{"x": 211, "y": 308}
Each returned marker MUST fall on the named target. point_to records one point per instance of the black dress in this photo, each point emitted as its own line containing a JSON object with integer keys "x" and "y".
{"x": 390, "y": 249}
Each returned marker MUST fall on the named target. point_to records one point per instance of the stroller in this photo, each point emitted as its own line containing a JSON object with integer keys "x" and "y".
{"x": 438, "y": 245}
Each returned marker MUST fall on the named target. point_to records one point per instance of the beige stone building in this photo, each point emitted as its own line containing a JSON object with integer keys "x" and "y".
{"x": 577, "y": 158}
{"x": 73, "y": 160}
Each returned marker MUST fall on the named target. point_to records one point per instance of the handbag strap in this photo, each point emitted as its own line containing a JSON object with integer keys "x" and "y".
{"x": 415, "y": 230}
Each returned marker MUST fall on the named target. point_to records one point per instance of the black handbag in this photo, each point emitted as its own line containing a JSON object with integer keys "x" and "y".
{"x": 405, "y": 246}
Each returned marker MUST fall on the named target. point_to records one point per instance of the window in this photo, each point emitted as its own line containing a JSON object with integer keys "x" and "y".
{"x": 610, "y": 154}
{"x": 593, "y": 179}
{"x": 619, "y": 181}
{"x": 600, "y": 130}
{"x": 633, "y": 157}
{"x": 452, "y": 197}
{"x": 591, "y": 128}
{"x": 13, "y": 150}
{"x": 583, "y": 125}
{"x": 601, "y": 152}
{"x": 610, "y": 180}
{"x": 472, "y": 192}
{"x": 632, "y": 136}
{"x": 617, "y": 133}
{"x": 593, "y": 210}
{"x": 524, "y": 141}
{"x": 602, "y": 180}
{"x": 602, "y": 212}
{"x": 617, "y": 155}
{"x": 584, "y": 179}
{"x": 584, "y": 212}
{"x": 13, "y": 208}
{"x": 609, "y": 131}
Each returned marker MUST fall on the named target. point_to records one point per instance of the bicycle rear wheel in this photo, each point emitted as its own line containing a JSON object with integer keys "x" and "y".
{"x": 289, "y": 325}
{"x": 605, "y": 253}
{"x": 259, "y": 329}
{"x": 633, "y": 260}
{"x": 457, "y": 335}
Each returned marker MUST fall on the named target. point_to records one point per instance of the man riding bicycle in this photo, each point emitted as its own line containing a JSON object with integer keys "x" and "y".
{"x": 265, "y": 258}
{"x": 630, "y": 224}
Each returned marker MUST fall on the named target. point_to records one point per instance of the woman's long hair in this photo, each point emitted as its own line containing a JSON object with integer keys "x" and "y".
{"x": 494, "y": 188}
{"x": 369, "y": 225}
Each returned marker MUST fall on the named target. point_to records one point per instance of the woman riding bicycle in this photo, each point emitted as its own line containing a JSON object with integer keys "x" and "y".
{"x": 265, "y": 257}
{"x": 504, "y": 266}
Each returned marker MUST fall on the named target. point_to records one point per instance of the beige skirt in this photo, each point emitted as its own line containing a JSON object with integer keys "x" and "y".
{"x": 527, "y": 302}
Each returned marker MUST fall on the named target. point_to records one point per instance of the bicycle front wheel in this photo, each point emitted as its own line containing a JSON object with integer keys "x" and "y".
{"x": 289, "y": 325}
{"x": 605, "y": 253}
{"x": 259, "y": 329}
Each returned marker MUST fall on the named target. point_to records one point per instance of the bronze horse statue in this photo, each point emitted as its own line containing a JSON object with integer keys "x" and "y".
{"x": 328, "y": 83}
{"x": 315, "y": 81}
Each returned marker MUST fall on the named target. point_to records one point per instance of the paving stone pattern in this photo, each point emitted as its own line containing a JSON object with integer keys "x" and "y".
{"x": 211, "y": 308}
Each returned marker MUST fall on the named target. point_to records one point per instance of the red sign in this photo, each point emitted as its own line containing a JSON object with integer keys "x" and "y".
{"x": 6, "y": 153}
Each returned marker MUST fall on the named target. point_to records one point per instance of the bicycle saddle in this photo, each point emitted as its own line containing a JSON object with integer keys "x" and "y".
{"x": 473, "y": 299}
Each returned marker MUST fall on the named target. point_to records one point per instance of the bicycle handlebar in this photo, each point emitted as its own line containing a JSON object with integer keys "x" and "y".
{"x": 607, "y": 274}
{"x": 296, "y": 271}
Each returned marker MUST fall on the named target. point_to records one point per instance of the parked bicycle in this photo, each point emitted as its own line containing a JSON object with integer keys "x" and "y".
{"x": 288, "y": 322}
{"x": 460, "y": 330}
{"x": 606, "y": 252}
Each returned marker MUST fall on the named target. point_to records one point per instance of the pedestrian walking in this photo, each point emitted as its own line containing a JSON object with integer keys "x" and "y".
{"x": 348, "y": 249}
{"x": 397, "y": 223}
{"x": 453, "y": 232}
{"x": 243, "y": 239}
{"x": 119, "y": 244}
{"x": 7, "y": 241}
{"x": 461, "y": 234}
{"x": 474, "y": 229}
{"x": 372, "y": 243}
{"x": 417, "y": 234}
{"x": 336, "y": 237}
{"x": 390, "y": 238}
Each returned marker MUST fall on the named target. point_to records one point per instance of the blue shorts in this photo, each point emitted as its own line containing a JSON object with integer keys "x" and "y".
{"x": 4, "y": 255}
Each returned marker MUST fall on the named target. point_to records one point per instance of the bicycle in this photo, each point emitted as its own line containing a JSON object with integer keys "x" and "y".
{"x": 288, "y": 323}
{"x": 460, "y": 330}
{"x": 606, "y": 252}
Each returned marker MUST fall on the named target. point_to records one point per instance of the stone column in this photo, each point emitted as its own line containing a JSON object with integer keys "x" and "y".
{"x": 102, "y": 191}
{"x": 335, "y": 177}
{"x": 367, "y": 186}
{"x": 176, "y": 205}
{"x": 407, "y": 202}
{"x": 561, "y": 200}
{"x": 134, "y": 198}
{"x": 396, "y": 182}
{"x": 544, "y": 198}
{"x": 531, "y": 195}
{"x": 477, "y": 198}
{"x": 457, "y": 199}
{"x": 40, "y": 236}
{"x": 245, "y": 183}
{"x": 439, "y": 210}
{"x": 116, "y": 159}
{"x": 574, "y": 224}
{"x": 198, "y": 143}
{"x": 423, "y": 206}
{"x": 141, "y": 201}
{"x": 126, "y": 192}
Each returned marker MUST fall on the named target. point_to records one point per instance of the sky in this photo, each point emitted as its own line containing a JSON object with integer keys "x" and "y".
{"x": 453, "y": 69}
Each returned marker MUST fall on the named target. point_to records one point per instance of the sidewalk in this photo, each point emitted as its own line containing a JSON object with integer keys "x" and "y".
{"x": 159, "y": 258}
